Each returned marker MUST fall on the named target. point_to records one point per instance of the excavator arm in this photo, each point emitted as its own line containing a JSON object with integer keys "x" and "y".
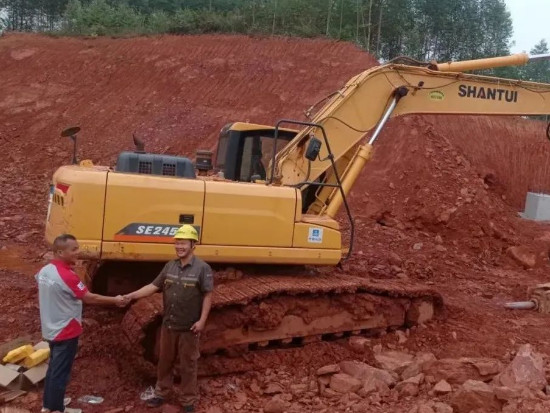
{"x": 369, "y": 99}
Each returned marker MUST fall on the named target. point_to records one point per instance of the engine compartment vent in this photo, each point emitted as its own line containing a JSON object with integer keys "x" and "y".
{"x": 153, "y": 164}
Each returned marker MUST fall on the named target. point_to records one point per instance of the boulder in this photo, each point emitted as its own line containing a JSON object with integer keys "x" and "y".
{"x": 457, "y": 371}
{"x": 394, "y": 360}
{"x": 526, "y": 370}
{"x": 410, "y": 387}
{"x": 344, "y": 383}
{"x": 523, "y": 256}
{"x": 363, "y": 371}
{"x": 415, "y": 368}
{"x": 372, "y": 385}
{"x": 330, "y": 369}
{"x": 475, "y": 394}
{"x": 506, "y": 393}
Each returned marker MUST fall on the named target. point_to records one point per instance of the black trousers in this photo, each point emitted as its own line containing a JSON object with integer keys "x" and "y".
{"x": 62, "y": 354}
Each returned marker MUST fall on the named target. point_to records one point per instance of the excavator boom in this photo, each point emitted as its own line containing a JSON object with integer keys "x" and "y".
{"x": 383, "y": 92}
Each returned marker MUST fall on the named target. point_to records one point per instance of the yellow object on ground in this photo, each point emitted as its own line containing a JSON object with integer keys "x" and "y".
{"x": 36, "y": 358}
{"x": 18, "y": 354}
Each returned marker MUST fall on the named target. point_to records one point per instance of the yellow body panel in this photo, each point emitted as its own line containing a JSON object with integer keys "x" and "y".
{"x": 237, "y": 222}
{"x": 248, "y": 214}
{"x": 140, "y": 207}
{"x": 77, "y": 204}
{"x": 307, "y": 235}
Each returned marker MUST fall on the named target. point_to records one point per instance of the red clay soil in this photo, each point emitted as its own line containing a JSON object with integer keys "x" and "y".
{"x": 437, "y": 205}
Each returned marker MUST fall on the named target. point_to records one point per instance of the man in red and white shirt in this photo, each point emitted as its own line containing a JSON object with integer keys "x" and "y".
{"x": 60, "y": 296}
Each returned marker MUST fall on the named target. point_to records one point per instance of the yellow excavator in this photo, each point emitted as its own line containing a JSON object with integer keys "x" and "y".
{"x": 271, "y": 196}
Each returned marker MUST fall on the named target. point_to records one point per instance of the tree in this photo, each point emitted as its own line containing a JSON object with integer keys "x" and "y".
{"x": 538, "y": 71}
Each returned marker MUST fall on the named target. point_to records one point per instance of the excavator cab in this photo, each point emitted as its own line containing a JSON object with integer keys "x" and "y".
{"x": 245, "y": 150}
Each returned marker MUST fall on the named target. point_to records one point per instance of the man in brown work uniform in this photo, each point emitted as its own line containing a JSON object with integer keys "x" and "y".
{"x": 187, "y": 285}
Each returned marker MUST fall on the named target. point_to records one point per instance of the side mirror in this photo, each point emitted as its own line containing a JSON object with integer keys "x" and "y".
{"x": 71, "y": 133}
{"x": 313, "y": 148}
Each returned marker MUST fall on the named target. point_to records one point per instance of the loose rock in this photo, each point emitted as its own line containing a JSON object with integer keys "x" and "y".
{"x": 442, "y": 387}
{"x": 473, "y": 395}
{"x": 358, "y": 344}
{"x": 523, "y": 256}
{"x": 394, "y": 360}
{"x": 363, "y": 371}
{"x": 344, "y": 383}
{"x": 410, "y": 387}
{"x": 274, "y": 388}
{"x": 276, "y": 405}
{"x": 526, "y": 370}
{"x": 330, "y": 369}
{"x": 442, "y": 408}
{"x": 457, "y": 371}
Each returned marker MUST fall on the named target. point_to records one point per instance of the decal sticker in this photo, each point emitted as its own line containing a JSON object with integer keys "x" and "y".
{"x": 148, "y": 232}
{"x": 437, "y": 95}
{"x": 315, "y": 235}
{"x": 488, "y": 93}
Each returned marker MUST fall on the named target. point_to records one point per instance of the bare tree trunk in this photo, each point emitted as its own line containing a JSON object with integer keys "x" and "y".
{"x": 364, "y": 25}
{"x": 341, "y": 18}
{"x": 328, "y": 17}
{"x": 274, "y": 16}
{"x": 370, "y": 26}
{"x": 379, "y": 30}
{"x": 357, "y": 22}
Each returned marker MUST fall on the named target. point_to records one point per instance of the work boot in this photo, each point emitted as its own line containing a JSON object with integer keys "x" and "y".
{"x": 155, "y": 402}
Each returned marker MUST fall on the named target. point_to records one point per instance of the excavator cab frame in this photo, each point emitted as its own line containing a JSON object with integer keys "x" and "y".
{"x": 243, "y": 149}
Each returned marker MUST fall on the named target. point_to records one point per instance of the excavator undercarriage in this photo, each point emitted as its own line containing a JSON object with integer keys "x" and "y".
{"x": 276, "y": 311}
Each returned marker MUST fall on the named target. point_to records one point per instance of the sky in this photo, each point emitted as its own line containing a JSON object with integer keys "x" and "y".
{"x": 531, "y": 23}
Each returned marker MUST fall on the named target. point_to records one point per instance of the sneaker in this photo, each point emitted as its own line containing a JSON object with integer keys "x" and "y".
{"x": 155, "y": 401}
{"x": 189, "y": 408}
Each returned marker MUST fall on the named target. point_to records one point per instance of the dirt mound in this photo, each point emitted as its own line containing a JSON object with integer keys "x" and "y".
{"x": 175, "y": 93}
{"x": 428, "y": 194}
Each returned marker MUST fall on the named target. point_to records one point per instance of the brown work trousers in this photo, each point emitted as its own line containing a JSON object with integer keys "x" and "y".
{"x": 185, "y": 345}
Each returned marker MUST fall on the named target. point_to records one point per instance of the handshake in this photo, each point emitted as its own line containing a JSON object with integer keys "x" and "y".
{"x": 122, "y": 300}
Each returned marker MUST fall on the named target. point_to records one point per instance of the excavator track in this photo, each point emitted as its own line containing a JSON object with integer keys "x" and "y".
{"x": 263, "y": 311}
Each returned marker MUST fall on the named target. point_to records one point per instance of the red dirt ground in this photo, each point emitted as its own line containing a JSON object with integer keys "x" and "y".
{"x": 437, "y": 204}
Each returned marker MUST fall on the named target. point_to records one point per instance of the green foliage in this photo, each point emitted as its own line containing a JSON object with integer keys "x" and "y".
{"x": 98, "y": 18}
{"x": 441, "y": 30}
{"x": 538, "y": 71}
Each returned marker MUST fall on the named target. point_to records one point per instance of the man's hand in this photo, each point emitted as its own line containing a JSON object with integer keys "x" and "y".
{"x": 198, "y": 327}
{"x": 121, "y": 301}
